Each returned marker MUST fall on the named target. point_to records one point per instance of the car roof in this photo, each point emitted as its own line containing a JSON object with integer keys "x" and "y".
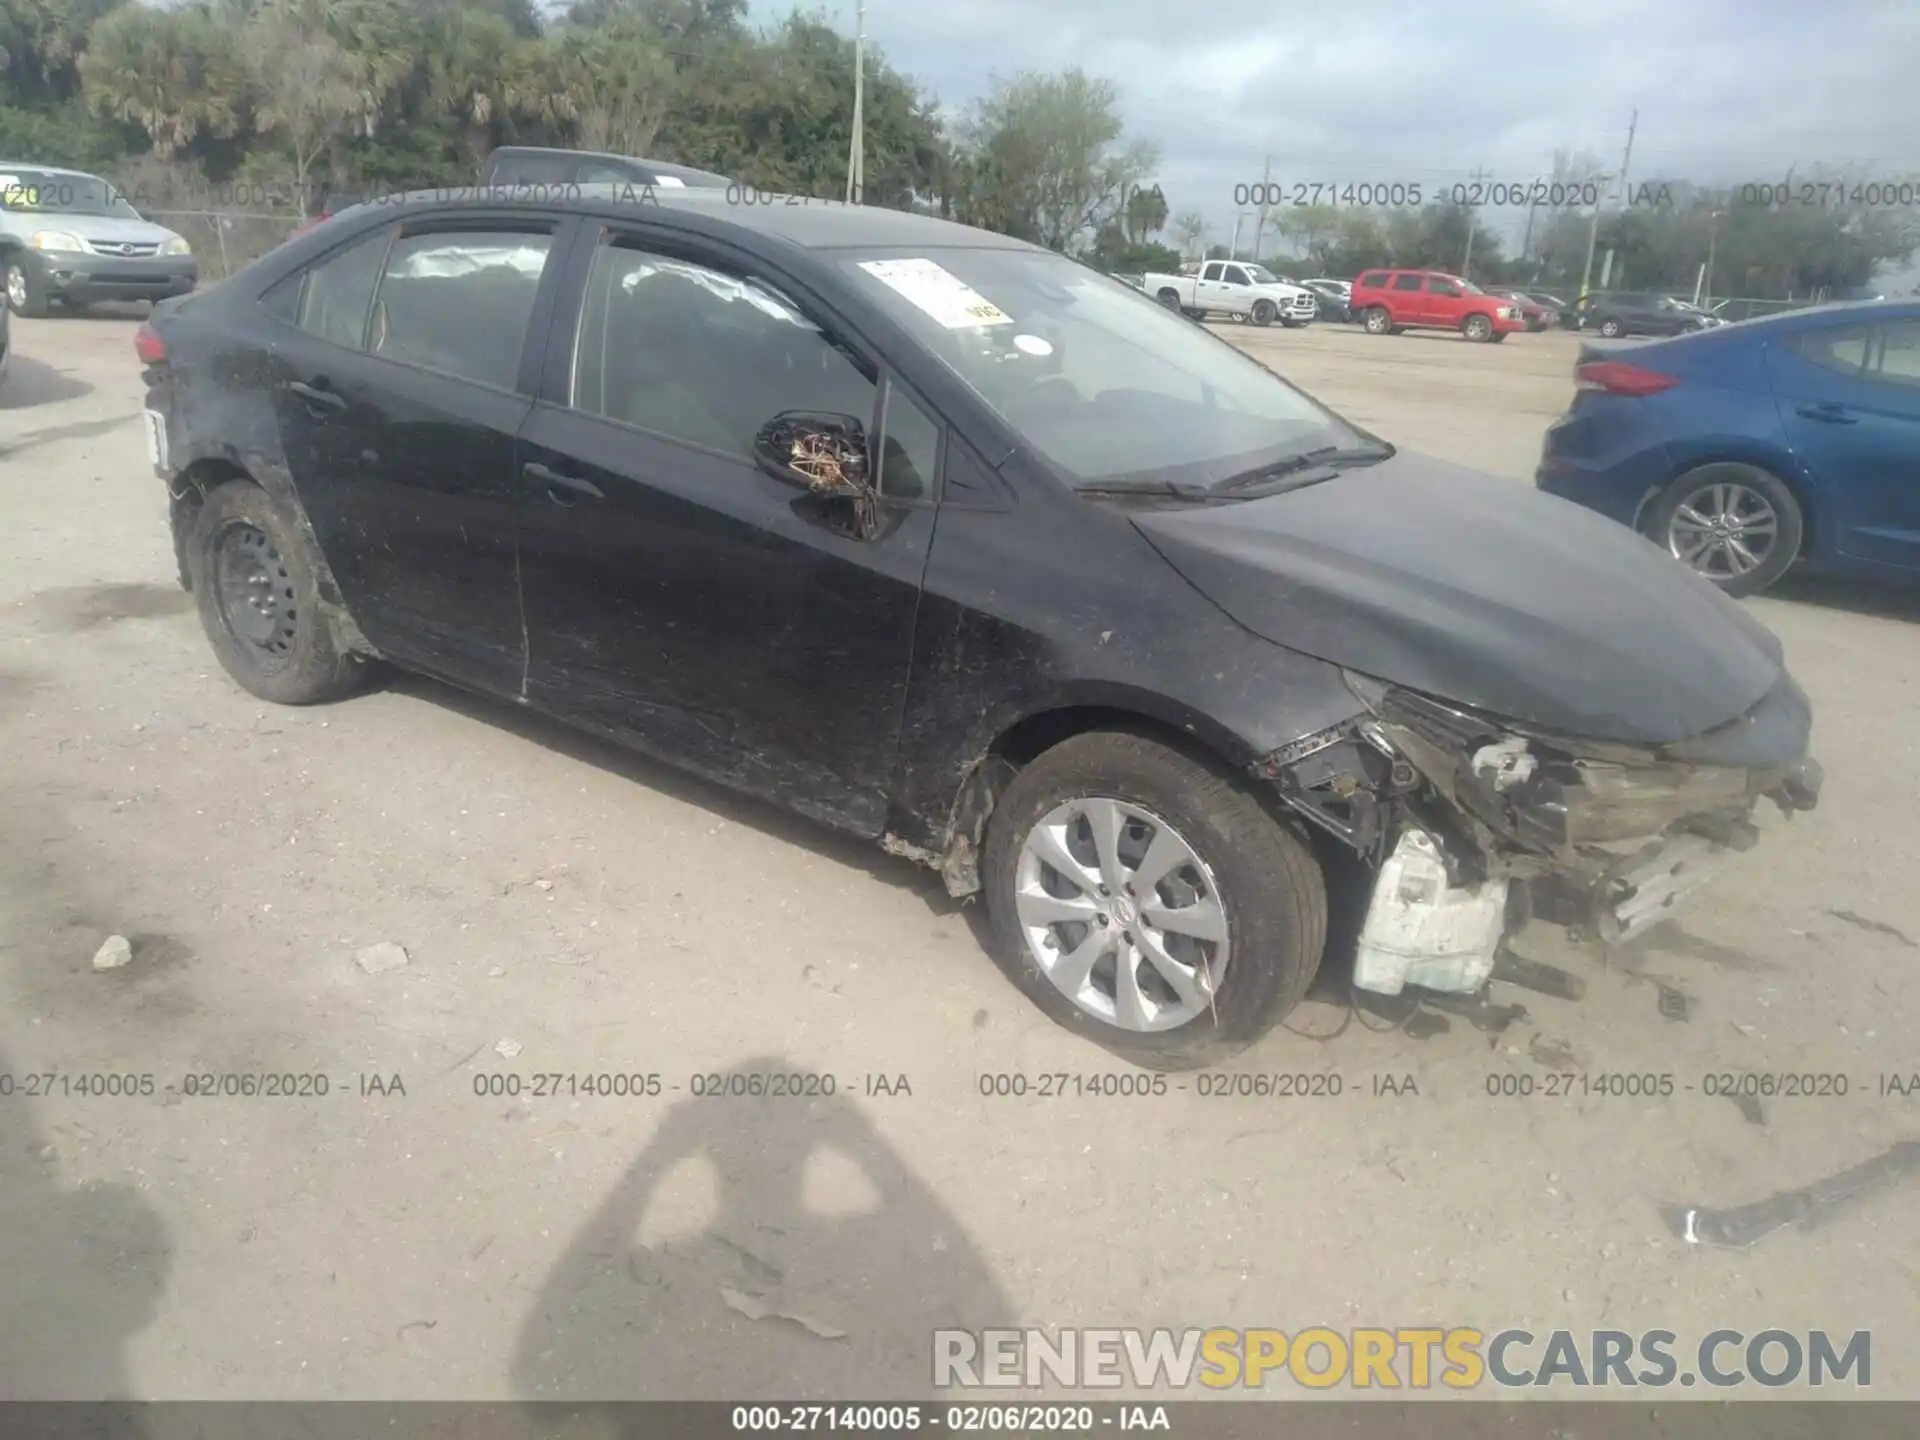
{"x": 659, "y": 167}
{"x": 48, "y": 169}
{"x": 804, "y": 221}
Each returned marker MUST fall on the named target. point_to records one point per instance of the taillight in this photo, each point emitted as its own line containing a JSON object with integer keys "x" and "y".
{"x": 1616, "y": 377}
{"x": 148, "y": 345}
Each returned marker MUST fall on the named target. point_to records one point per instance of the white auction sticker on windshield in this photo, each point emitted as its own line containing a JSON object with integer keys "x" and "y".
{"x": 1032, "y": 345}
{"x": 938, "y": 291}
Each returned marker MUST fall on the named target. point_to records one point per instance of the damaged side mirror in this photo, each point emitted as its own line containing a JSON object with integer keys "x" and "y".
{"x": 828, "y": 456}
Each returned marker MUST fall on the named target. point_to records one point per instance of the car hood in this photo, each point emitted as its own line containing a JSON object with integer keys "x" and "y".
{"x": 108, "y": 227}
{"x": 1483, "y": 592}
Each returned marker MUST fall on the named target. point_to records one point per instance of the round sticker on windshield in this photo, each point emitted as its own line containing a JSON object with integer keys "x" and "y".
{"x": 1032, "y": 345}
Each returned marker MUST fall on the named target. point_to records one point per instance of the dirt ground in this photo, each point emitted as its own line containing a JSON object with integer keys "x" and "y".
{"x": 569, "y": 909}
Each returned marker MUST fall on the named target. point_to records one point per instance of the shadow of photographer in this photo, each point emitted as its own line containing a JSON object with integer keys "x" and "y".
{"x": 795, "y": 1211}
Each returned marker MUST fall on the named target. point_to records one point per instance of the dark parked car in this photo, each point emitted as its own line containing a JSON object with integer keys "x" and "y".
{"x": 1536, "y": 315}
{"x": 1733, "y": 311}
{"x": 955, "y": 544}
{"x": 1617, "y": 313}
{"x": 1333, "y": 298}
{"x": 1744, "y": 449}
{"x": 538, "y": 166}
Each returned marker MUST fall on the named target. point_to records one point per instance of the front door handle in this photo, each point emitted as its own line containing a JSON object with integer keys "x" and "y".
{"x": 560, "y": 487}
{"x": 1828, "y": 414}
{"x": 318, "y": 394}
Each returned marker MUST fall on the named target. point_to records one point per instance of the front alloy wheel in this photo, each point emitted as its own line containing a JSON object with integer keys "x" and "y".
{"x": 1119, "y": 911}
{"x": 1149, "y": 901}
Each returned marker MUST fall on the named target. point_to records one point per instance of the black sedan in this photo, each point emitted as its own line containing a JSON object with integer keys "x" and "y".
{"x": 1616, "y": 313}
{"x": 955, "y": 544}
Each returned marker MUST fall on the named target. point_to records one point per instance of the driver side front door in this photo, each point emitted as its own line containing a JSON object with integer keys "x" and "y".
{"x": 679, "y": 597}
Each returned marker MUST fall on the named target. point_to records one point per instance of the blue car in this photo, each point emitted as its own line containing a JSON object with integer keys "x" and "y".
{"x": 1748, "y": 447}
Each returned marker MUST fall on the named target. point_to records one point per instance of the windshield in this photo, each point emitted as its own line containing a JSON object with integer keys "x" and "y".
{"x": 45, "y": 192}
{"x": 1103, "y": 382}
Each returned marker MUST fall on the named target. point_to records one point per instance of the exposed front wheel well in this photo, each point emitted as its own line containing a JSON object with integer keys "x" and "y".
{"x": 1020, "y": 744}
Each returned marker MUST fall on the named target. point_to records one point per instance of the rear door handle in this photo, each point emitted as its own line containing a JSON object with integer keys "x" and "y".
{"x": 317, "y": 394}
{"x": 1828, "y": 414}
{"x": 559, "y": 486}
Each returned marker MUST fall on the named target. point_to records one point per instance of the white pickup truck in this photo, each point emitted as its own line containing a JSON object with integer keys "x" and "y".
{"x": 1238, "y": 288}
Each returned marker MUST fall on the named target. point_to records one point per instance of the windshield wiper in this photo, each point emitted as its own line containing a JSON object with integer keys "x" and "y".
{"x": 1298, "y": 471}
{"x": 1175, "y": 488}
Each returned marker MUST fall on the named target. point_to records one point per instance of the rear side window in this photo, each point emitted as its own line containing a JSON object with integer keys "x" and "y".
{"x": 530, "y": 169}
{"x": 1406, "y": 282}
{"x": 337, "y": 294}
{"x": 1843, "y": 350}
{"x": 458, "y": 302}
{"x": 1900, "y": 353}
{"x": 703, "y": 357}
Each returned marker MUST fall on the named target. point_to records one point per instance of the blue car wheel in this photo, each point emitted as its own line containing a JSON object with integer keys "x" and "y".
{"x": 1735, "y": 524}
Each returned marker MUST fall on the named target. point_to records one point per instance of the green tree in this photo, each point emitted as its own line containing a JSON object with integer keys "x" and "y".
{"x": 176, "y": 74}
{"x": 1048, "y": 160}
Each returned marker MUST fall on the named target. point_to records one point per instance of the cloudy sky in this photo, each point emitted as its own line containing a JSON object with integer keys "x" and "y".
{"x": 1397, "y": 90}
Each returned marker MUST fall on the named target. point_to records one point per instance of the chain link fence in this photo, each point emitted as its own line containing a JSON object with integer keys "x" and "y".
{"x": 227, "y": 241}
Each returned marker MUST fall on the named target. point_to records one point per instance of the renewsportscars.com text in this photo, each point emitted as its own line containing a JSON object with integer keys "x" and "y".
{"x": 1410, "y": 1358}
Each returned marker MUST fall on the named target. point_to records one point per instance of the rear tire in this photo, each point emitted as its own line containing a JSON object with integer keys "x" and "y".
{"x": 254, "y": 583}
{"x": 1675, "y": 523}
{"x": 1261, "y": 878}
{"x": 1377, "y": 320}
{"x": 1169, "y": 298}
{"x": 1611, "y": 328}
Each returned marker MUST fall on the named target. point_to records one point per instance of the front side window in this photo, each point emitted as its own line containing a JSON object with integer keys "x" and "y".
{"x": 700, "y": 356}
{"x": 1096, "y": 377}
{"x": 1437, "y": 286}
{"x": 458, "y": 302}
{"x": 1236, "y": 276}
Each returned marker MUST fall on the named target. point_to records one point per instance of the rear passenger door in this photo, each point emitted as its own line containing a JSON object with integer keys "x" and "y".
{"x": 401, "y": 385}
{"x": 679, "y": 597}
{"x": 1407, "y": 300}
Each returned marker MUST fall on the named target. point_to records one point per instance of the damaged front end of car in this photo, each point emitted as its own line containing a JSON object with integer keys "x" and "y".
{"x": 1473, "y": 824}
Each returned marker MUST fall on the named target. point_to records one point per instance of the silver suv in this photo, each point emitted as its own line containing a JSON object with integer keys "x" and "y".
{"x": 69, "y": 236}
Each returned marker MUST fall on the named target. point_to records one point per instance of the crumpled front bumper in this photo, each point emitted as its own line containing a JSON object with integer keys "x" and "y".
{"x": 1475, "y": 824}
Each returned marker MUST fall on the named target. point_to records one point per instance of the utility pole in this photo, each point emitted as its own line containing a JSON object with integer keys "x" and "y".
{"x": 857, "y": 149}
{"x": 1478, "y": 177}
{"x": 1266, "y": 189}
{"x": 1593, "y": 230}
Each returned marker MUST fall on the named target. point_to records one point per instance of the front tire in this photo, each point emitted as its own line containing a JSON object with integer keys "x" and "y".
{"x": 26, "y": 291}
{"x": 1733, "y": 523}
{"x": 1264, "y": 312}
{"x": 253, "y": 579}
{"x": 1215, "y": 913}
{"x": 1477, "y": 328}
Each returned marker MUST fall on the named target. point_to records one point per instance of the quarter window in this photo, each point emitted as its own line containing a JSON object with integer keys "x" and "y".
{"x": 703, "y": 357}
{"x": 459, "y": 301}
{"x": 338, "y": 292}
{"x": 909, "y": 449}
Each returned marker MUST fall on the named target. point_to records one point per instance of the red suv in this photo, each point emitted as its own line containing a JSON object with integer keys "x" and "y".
{"x": 1389, "y": 301}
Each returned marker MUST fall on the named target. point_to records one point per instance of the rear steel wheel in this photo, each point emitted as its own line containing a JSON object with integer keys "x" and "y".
{"x": 255, "y": 592}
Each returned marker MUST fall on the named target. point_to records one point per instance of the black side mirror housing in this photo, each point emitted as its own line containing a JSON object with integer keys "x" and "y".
{"x": 826, "y": 454}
